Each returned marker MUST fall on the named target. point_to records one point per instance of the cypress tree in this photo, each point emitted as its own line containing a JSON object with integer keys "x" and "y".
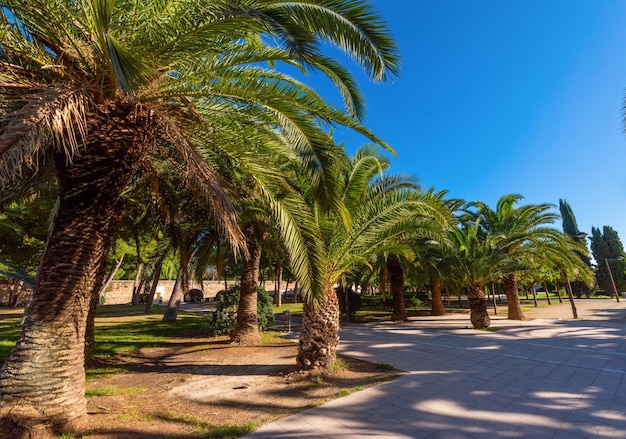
{"x": 570, "y": 228}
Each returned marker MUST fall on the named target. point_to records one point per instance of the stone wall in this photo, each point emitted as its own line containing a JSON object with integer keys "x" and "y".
{"x": 121, "y": 291}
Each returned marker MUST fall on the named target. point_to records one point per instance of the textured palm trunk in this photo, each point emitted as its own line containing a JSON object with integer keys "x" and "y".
{"x": 396, "y": 277}
{"x": 42, "y": 383}
{"x": 246, "y": 331}
{"x": 478, "y": 308}
{"x": 515, "y": 312}
{"x": 177, "y": 296}
{"x": 90, "y": 329}
{"x": 437, "y": 300}
{"x": 319, "y": 334}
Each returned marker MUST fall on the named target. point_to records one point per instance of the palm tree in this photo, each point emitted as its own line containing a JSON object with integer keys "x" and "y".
{"x": 474, "y": 260}
{"x": 380, "y": 211}
{"x": 113, "y": 86}
{"x": 526, "y": 229}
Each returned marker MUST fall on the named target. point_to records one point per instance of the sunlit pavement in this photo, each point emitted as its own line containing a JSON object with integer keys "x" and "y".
{"x": 561, "y": 379}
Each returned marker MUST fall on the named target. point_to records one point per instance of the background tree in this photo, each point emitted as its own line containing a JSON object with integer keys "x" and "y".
{"x": 606, "y": 245}
{"x": 380, "y": 212}
{"x": 523, "y": 230}
{"x": 570, "y": 228}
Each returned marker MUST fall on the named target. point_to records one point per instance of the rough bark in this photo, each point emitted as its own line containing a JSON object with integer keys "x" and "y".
{"x": 177, "y": 296}
{"x": 478, "y": 308}
{"x": 96, "y": 297}
{"x": 319, "y": 334}
{"x": 509, "y": 283}
{"x": 396, "y": 278}
{"x": 437, "y": 300}
{"x": 90, "y": 328}
{"x": 246, "y": 331}
{"x": 42, "y": 383}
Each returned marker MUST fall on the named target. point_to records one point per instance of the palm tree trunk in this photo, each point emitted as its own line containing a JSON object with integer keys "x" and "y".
{"x": 156, "y": 275}
{"x": 137, "y": 285}
{"x": 396, "y": 277}
{"x": 319, "y": 334}
{"x": 545, "y": 287}
{"x": 42, "y": 383}
{"x": 515, "y": 312}
{"x": 178, "y": 293}
{"x": 478, "y": 308}
{"x": 558, "y": 292}
{"x": 246, "y": 331}
{"x": 437, "y": 300}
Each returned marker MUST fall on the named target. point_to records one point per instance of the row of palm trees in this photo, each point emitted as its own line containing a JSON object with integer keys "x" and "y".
{"x": 179, "y": 110}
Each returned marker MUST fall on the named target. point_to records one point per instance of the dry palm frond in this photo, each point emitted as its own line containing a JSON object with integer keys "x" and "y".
{"x": 52, "y": 116}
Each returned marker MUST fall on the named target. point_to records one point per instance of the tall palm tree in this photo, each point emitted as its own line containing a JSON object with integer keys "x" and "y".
{"x": 381, "y": 211}
{"x": 526, "y": 229}
{"x": 112, "y": 86}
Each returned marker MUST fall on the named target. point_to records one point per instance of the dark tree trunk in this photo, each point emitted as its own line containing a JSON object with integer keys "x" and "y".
{"x": 545, "y": 287}
{"x": 558, "y": 292}
{"x": 137, "y": 285}
{"x": 42, "y": 383}
{"x": 437, "y": 300}
{"x": 246, "y": 331}
{"x": 90, "y": 328}
{"x": 396, "y": 277}
{"x": 515, "y": 312}
{"x": 478, "y": 308}
{"x": 319, "y": 334}
{"x": 14, "y": 292}
{"x": 177, "y": 296}
{"x": 279, "y": 274}
{"x": 384, "y": 281}
{"x": 155, "y": 282}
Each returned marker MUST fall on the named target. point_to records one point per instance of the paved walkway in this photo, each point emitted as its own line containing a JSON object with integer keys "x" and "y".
{"x": 559, "y": 379}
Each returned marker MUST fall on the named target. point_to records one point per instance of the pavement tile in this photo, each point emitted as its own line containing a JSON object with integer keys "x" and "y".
{"x": 557, "y": 379}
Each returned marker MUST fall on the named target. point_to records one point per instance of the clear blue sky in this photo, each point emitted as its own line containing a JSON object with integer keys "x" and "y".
{"x": 509, "y": 96}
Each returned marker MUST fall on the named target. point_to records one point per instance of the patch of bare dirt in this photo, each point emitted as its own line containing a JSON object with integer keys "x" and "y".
{"x": 186, "y": 389}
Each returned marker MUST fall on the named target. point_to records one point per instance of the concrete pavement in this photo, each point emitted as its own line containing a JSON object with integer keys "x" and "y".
{"x": 559, "y": 379}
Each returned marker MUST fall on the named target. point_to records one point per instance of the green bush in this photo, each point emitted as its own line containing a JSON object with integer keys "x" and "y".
{"x": 265, "y": 308}
{"x": 223, "y": 320}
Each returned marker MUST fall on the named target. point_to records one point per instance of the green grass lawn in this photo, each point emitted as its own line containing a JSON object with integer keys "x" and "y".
{"x": 119, "y": 328}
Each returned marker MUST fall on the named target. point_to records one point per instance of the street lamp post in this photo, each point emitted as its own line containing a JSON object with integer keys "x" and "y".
{"x": 608, "y": 266}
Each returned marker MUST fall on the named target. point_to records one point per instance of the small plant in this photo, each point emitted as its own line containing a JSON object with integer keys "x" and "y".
{"x": 359, "y": 388}
{"x": 317, "y": 379}
{"x": 342, "y": 393}
{"x": 339, "y": 364}
{"x": 67, "y": 436}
